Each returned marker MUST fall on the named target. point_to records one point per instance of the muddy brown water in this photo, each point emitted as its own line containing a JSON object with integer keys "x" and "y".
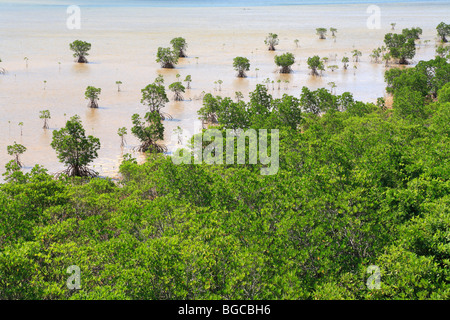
{"x": 124, "y": 44}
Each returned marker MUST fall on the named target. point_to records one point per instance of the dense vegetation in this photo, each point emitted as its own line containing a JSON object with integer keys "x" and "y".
{"x": 359, "y": 184}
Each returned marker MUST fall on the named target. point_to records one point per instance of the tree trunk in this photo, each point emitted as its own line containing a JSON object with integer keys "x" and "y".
{"x": 285, "y": 69}
{"x": 93, "y": 103}
{"x": 82, "y": 59}
{"x": 403, "y": 61}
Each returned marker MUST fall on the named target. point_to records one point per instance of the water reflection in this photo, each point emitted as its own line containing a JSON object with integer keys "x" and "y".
{"x": 81, "y": 68}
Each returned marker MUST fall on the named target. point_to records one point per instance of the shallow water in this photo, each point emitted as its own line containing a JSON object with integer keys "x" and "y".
{"x": 124, "y": 44}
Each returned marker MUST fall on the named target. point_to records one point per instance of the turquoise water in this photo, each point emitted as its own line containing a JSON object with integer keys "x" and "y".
{"x": 200, "y": 3}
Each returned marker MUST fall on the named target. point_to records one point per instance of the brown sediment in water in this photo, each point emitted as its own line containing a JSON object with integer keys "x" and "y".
{"x": 124, "y": 45}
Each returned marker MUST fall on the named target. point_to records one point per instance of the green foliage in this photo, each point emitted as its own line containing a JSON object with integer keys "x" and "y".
{"x": 315, "y": 64}
{"x": 321, "y": 32}
{"x": 122, "y": 132}
{"x": 333, "y": 31}
{"x": 167, "y": 58}
{"x": 92, "y": 94}
{"x": 45, "y": 115}
{"x": 357, "y": 186}
{"x": 118, "y": 83}
{"x": 413, "y": 33}
{"x": 188, "y": 80}
{"x": 321, "y": 101}
{"x": 345, "y": 61}
{"x": 285, "y": 61}
{"x": 376, "y": 54}
{"x": 74, "y": 149}
{"x": 427, "y": 77}
{"x": 333, "y": 67}
{"x": 356, "y": 54}
{"x": 271, "y": 41}
{"x": 400, "y": 47}
{"x": 443, "y": 30}
{"x": 148, "y": 130}
{"x": 408, "y": 103}
{"x": 179, "y": 45}
{"x": 241, "y": 64}
{"x": 444, "y": 93}
{"x": 80, "y": 49}
{"x": 443, "y": 51}
{"x": 154, "y": 95}
{"x": 177, "y": 88}
{"x": 16, "y": 150}
{"x": 211, "y": 107}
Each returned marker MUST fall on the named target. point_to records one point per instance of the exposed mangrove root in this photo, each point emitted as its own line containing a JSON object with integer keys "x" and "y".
{"x": 18, "y": 163}
{"x": 211, "y": 119}
{"x": 77, "y": 171}
{"x": 93, "y": 104}
{"x": 241, "y": 74}
{"x": 286, "y": 69}
{"x": 165, "y": 116}
{"x": 178, "y": 97}
{"x": 3, "y": 71}
{"x": 82, "y": 59}
{"x": 151, "y": 146}
{"x": 167, "y": 65}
